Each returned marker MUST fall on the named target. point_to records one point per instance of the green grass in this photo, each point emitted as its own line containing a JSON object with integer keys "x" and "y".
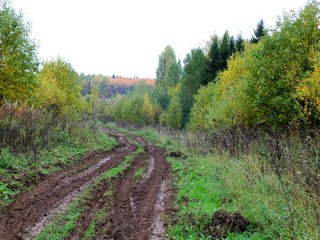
{"x": 61, "y": 226}
{"x": 139, "y": 173}
{"x": 209, "y": 183}
{"x": 64, "y": 223}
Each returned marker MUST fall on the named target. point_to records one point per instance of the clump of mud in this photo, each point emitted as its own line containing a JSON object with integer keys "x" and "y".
{"x": 224, "y": 222}
{"x": 176, "y": 154}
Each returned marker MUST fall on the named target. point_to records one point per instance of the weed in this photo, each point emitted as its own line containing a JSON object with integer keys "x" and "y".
{"x": 139, "y": 173}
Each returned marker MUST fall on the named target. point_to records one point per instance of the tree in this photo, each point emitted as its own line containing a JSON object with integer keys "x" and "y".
{"x": 280, "y": 66}
{"x": 195, "y": 70}
{"x": 18, "y": 57}
{"x": 219, "y": 52}
{"x": 59, "y": 90}
{"x": 94, "y": 99}
{"x": 174, "y": 112}
{"x": 239, "y": 43}
{"x": 225, "y": 51}
{"x": 213, "y": 60}
{"x": 147, "y": 109}
{"x": 259, "y": 32}
{"x": 168, "y": 75}
{"x": 166, "y": 60}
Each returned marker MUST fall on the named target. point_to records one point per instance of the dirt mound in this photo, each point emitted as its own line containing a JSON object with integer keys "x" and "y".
{"x": 224, "y": 222}
{"x": 177, "y": 154}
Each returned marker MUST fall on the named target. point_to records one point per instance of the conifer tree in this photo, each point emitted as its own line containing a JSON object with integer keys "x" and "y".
{"x": 259, "y": 32}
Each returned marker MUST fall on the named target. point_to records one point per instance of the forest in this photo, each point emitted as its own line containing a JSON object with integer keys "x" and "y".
{"x": 244, "y": 115}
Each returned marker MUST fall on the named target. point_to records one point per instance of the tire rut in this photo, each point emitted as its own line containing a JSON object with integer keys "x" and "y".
{"x": 26, "y": 216}
{"x": 136, "y": 214}
{"x": 134, "y": 210}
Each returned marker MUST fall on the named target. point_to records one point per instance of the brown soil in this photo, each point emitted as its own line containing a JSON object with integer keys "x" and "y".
{"x": 135, "y": 208}
{"x": 224, "y": 222}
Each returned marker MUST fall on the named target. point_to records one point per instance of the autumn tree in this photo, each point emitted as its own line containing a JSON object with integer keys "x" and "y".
{"x": 59, "y": 88}
{"x": 280, "y": 65}
{"x": 18, "y": 57}
{"x": 147, "y": 109}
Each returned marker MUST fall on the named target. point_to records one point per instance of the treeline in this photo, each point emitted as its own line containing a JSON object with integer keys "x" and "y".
{"x": 177, "y": 83}
{"x": 110, "y": 87}
{"x": 270, "y": 80}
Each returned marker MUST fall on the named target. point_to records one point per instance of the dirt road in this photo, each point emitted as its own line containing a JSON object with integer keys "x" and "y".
{"x": 135, "y": 211}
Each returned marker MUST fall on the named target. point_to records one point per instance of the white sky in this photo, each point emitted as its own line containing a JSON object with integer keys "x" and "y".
{"x": 125, "y": 37}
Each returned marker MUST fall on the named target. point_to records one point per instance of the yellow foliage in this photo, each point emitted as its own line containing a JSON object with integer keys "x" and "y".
{"x": 309, "y": 92}
{"x": 147, "y": 109}
{"x": 59, "y": 90}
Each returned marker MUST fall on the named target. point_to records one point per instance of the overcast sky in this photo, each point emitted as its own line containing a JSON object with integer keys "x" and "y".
{"x": 125, "y": 37}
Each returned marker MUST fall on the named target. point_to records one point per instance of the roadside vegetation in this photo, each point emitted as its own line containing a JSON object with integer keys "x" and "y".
{"x": 45, "y": 124}
{"x": 212, "y": 182}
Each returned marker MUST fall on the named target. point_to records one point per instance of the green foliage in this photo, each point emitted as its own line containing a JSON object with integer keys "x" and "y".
{"x": 168, "y": 75}
{"x": 240, "y": 43}
{"x": 259, "y": 32}
{"x": 272, "y": 82}
{"x": 18, "y": 57}
{"x": 89, "y": 81}
{"x": 201, "y": 107}
{"x": 280, "y": 63}
{"x": 219, "y": 52}
{"x": 36, "y": 143}
{"x": 195, "y": 70}
{"x": 134, "y": 107}
{"x": 230, "y": 104}
{"x": 173, "y": 116}
{"x": 59, "y": 90}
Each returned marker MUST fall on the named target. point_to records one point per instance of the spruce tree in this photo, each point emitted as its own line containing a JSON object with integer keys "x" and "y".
{"x": 259, "y": 32}
{"x": 240, "y": 43}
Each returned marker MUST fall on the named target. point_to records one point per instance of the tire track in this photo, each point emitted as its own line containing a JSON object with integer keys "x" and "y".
{"x": 134, "y": 210}
{"x": 31, "y": 210}
{"x": 143, "y": 220}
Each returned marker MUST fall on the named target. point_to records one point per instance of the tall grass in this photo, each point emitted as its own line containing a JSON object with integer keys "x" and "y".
{"x": 273, "y": 177}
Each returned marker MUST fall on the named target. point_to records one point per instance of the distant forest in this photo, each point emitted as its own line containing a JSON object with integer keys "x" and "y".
{"x": 110, "y": 86}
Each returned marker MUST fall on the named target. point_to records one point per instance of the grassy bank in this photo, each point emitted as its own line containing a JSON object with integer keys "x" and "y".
{"x": 275, "y": 204}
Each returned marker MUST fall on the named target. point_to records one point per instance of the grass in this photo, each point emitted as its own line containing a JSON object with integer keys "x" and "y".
{"x": 206, "y": 184}
{"x": 66, "y": 222}
{"x": 139, "y": 173}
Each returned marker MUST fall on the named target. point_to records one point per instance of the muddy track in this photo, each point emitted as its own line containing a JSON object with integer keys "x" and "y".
{"x": 134, "y": 210}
